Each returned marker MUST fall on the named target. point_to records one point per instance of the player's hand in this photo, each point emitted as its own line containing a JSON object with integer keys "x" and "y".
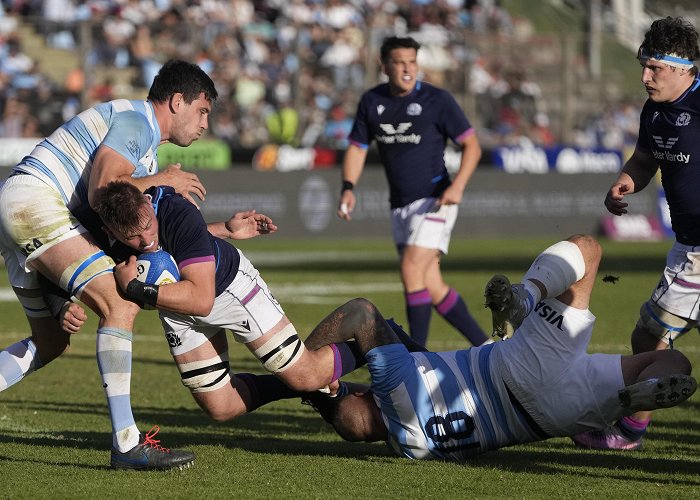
{"x": 451, "y": 196}
{"x": 184, "y": 183}
{"x": 613, "y": 200}
{"x": 346, "y": 204}
{"x": 249, "y": 224}
{"x": 125, "y": 271}
{"x": 72, "y": 317}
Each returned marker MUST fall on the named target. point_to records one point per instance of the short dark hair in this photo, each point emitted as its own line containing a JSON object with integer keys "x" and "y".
{"x": 183, "y": 77}
{"x": 396, "y": 42}
{"x": 119, "y": 205}
{"x": 672, "y": 35}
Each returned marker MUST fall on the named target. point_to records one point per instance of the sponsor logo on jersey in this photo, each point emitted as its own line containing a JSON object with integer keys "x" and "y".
{"x": 550, "y": 315}
{"x": 668, "y": 144}
{"x": 683, "y": 120}
{"x": 397, "y": 135}
{"x": 665, "y": 155}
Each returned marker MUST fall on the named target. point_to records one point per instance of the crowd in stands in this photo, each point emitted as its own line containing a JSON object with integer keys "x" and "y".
{"x": 287, "y": 71}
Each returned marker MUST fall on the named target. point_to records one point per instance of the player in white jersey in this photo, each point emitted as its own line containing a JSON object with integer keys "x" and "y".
{"x": 538, "y": 384}
{"x": 39, "y": 234}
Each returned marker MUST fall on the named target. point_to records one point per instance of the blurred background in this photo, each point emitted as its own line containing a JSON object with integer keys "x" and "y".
{"x": 552, "y": 88}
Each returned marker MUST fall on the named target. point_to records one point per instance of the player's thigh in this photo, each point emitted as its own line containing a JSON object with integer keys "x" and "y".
{"x": 205, "y": 371}
{"x": 678, "y": 290}
{"x": 424, "y": 224}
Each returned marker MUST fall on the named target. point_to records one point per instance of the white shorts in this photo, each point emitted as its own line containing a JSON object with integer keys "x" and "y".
{"x": 33, "y": 218}
{"x": 424, "y": 224}
{"x": 545, "y": 365}
{"x": 246, "y": 307}
{"x": 678, "y": 291}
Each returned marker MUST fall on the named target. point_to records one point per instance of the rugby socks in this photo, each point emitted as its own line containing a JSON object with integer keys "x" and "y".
{"x": 114, "y": 363}
{"x": 346, "y": 358}
{"x": 264, "y": 389}
{"x": 17, "y": 361}
{"x": 632, "y": 428}
{"x": 419, "y": 306}
{"x": 454, "y": 310}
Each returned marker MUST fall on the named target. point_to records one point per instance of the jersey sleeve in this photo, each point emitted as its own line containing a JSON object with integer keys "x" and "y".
{"x": 184, "y": 232}
{"x": 454, "y": 122}
{"x": 130, "y": 135}
{"x": 360, "y": 134}
{"x": 643, "y": 138}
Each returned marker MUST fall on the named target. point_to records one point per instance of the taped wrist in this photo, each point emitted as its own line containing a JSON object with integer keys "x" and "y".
{"x": 347, "y": 186}
{"x": 142, "y": 292}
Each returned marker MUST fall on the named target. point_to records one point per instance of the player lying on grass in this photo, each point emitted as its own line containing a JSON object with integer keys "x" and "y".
{"x": 219, "y": 290}
{"x": 538, "y": 384}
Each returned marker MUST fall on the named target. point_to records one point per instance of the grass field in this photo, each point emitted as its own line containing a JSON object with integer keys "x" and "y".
{"x": 54, "y": 428}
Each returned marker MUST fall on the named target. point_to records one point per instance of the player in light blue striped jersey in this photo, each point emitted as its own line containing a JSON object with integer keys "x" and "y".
{"x": 540, "y": 383}
{"x": 39, "y": 234}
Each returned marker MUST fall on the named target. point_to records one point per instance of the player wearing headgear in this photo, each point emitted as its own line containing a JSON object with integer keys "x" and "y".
{"x": 669, "y": 128}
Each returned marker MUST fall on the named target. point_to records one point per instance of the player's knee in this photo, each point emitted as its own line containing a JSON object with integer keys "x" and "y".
{"x": 590, "y": 248}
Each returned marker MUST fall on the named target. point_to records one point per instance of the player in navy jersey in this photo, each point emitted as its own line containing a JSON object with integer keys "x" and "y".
{"x": 540, "y": 383}
{"x": 668, "y": 141}
{"x": 411, "y": 122}
{"x": 219, "y": 290}
{"x": 40, "y": 235}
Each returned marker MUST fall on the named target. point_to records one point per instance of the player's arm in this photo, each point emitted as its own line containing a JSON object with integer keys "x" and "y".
{"x": 471, "y": 154}
{"x": 353, "y": 164}
{"x": 635, "y": 176}
{"x": 242, "y": 226}
{"x": 193, "y": 294}
{"x": 109, "y": 166}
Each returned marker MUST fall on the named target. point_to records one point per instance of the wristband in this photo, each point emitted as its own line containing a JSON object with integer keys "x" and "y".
{"x": 347, "y": 186}
{"x": 142, "y": 292}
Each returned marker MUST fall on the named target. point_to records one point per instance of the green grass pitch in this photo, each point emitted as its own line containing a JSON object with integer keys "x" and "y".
{"x": 55, "y": 436}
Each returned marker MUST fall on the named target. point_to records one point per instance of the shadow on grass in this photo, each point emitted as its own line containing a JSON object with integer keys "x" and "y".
{"x": 291, "y": 431}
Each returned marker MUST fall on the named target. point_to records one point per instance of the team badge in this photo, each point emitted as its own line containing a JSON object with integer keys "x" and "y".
{"x": 380, "y": 110}
{"x": 414, "y": 109}
{"x": 683, "y": 120}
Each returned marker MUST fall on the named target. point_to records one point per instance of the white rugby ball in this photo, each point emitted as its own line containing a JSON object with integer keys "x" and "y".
{"x": 157, "y": 268}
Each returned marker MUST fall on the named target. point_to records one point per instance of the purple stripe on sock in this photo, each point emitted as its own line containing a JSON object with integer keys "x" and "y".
{"x": 418, "y": 298}
{"x": 637, "y": 425}
{"x": 250, "y": 296}
{"x": 448, "y": 302}
{"x": 337, "y": 362}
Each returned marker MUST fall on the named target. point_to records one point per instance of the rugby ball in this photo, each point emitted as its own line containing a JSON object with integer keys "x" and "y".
{"x": 157, "y": 268}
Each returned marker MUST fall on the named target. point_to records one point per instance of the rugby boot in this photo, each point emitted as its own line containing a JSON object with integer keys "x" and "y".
{"x": 658, "y": 392}
{"x": 150, "y": 455}
{"x": 508, "y": 305}
{"x": 609, "y": 438}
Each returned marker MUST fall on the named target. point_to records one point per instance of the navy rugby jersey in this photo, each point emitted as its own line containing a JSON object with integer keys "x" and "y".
{"x": 182, "y": 232}
{"x": 670, "y": 133}
{"x": 411, "y": 134}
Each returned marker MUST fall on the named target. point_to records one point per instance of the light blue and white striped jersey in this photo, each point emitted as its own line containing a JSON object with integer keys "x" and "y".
{"x": 447, "y": 405}
{"x": 64, "y": 159}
